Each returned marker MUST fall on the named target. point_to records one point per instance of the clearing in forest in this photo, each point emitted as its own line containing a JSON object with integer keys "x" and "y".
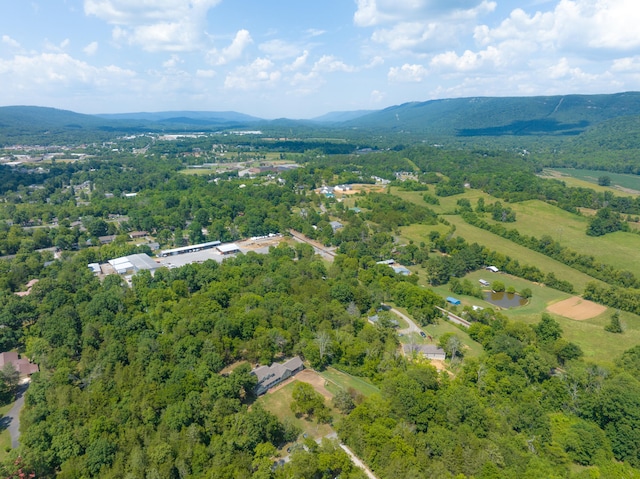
{"x": 577, "y": 308}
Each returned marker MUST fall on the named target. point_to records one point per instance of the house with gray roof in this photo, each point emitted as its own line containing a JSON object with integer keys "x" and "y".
{"x": 428, "y": 351}
{"x": 270, "y": 376}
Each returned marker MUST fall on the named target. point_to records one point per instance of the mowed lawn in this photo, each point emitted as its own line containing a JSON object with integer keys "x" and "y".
{"x": 472, "y": 348}
{"x": 589, "y": 179}
{"x": 534, "y": 218}
{"x": 279, "y": 404}
{"x": 537, "y": 218}
{"x": 337, "y": 380}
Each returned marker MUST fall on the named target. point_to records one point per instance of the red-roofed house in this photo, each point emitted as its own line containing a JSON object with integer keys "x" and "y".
{"x": 22, "y": 365}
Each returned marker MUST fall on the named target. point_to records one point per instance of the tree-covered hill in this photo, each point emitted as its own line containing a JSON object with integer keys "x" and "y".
{"x": 493, "y": 116}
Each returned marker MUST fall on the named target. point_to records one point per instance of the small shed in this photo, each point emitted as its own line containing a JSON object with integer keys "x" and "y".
{"x": 452, "y": 300}
{"x": 493, "y": 269}
{"x": 483, "y": 282}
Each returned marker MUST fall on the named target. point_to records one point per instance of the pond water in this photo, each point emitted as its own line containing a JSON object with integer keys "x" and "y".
{"x": 505, "y": 300}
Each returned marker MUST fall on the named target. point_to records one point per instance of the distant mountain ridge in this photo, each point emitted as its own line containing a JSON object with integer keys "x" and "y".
{"x": 212, "y": 116}
{"x": 498, "y": 116}
{"x": 461, "y": 118}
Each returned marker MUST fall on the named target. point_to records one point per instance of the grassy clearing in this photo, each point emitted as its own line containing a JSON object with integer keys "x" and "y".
{"x": 476, "y": 235}
{"x": 599, "y": 346}
{"x": 471, "y": 348}
{"x": 589, "y": 179}
{"x": 537, "y": 218}
{"x": 279, "y": 404}
{"x": 542, "y": 295}
{"x": 447, "y": 204}
{"x": 341, "y": 380}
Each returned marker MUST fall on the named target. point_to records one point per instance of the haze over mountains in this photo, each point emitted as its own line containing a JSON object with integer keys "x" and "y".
{"x": 561, "y": 116}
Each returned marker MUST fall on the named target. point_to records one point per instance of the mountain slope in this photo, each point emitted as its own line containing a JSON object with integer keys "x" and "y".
{"x": 493, "y": 116}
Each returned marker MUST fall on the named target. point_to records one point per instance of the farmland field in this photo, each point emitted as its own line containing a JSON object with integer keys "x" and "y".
{"x": 621, "y": 184}
{"x": 537, "y": 218}
{"x": 494, "y": 242}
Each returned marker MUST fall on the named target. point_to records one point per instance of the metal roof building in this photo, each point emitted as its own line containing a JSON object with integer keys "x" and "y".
{"x": 189, "y": 249}
{"x": 228, "y": 248}
{"x": 133, "y": 263}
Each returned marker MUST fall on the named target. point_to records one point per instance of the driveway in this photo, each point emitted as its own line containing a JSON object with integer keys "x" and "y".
{"x": 12, "y": 420}
{"x": 412, "y": 328}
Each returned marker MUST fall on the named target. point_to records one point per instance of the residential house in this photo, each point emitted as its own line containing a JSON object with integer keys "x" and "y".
{"x": 428, "y": 351}
{"x": 270, "y": 376}
{"x": 336, "y": 225}
{"x": 22, "y": 365}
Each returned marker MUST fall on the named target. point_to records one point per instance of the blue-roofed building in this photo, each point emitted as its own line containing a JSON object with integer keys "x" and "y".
{"x": 452, "y": 300}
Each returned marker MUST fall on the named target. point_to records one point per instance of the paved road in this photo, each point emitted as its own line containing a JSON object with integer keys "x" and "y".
{"x": 12, "y": 419}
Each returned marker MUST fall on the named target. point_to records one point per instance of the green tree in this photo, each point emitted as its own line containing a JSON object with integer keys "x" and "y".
{"x": 604, "y": 180}
{"x": 306, "y": 401}
{"x": 614, "y": 325}
{"x": 548, "y": 329}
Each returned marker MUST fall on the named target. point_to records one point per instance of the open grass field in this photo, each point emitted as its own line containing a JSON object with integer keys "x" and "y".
{"x": 337, "y": 380}
{"x": 279, "y": 403}
{"x": 447, "y": 204}
{"x": 621, "y": 184}
{"x": 537, "y": 218}
{"x": 473, "y": 234}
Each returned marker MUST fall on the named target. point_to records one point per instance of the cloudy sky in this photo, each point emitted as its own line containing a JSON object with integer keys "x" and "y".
{"x": 303, "y": 58}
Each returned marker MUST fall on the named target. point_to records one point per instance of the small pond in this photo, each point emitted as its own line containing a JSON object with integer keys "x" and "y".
{"x": 505, "y": 300}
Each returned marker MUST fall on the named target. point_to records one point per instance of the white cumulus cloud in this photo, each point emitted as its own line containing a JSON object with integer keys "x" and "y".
{"x": 234, "y": 51}
{"x": 259, "y": 74}
{"x": 407, "y": 73}
{"x": 329, "y": 63}
{"x": 7, "y": 40}
{"x": 91, "y": 48}
{"x": 37, "y": 74}
{"x": 155, "y": 25}
{"x": 420, "y": 25}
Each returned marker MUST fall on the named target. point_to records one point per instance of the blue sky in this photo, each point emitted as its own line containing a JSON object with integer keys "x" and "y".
{"x": 304, "y": 58}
